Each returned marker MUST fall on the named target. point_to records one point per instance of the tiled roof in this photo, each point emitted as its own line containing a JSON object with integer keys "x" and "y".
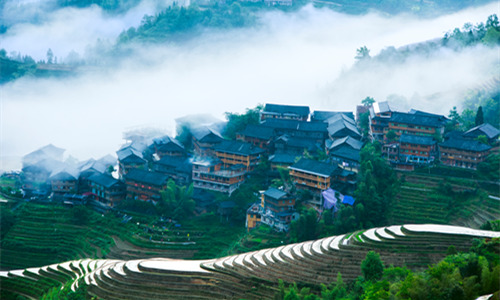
{"x": 465, "y": 144}
{"x": 484, "y": 129}
{"x": 275, "y": 193}
{"x": 336, "y": 127}
{"x": 283, "y": 158}
{"x": 180, "y": 164}
{"x": 417, "y": 119}
{"x": 346, "y": 153}
{"x": 147, "y": 177}
{"x": 128, "y": 151}
{"x": 417, "y": 139}
{"x": 296, "y": 125}
{"x": 297, "y": 142}
{"x": 167, "y": 143}
{"x": 67, "y": 173}
{"x": 287, "y": 109}
{"x": 206, "y": 135}
{"x": 318, "y": 115}
{"x": 237, "y": 147}
{"x": 339, "y": 117}
{"x": 104, "y": 180}
{"x": 258, "y": 131}
{"x": 314, "y": 167}
{"x": 350, "y": 141}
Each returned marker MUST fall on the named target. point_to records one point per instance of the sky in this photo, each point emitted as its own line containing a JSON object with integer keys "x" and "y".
{"x": 305, "y": 58}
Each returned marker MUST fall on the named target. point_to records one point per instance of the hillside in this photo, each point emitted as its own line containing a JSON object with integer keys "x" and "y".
{"x": 249, "y": 275}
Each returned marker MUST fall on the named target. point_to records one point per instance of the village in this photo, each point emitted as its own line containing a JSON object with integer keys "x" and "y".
{"x": 311, "y": 155}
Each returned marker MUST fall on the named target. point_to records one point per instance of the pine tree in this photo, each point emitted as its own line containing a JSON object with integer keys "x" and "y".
{"x": 479, "y": 116}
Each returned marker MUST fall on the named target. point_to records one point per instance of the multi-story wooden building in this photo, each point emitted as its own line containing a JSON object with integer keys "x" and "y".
{"x": 312, "y": 175}
{"x": 238, "y": 153}
{"x": 417, "y": 149}
{"x": 345, "y": 151}
{"x": 286, "y": 112}
{"x": 204, "y": 140}
{"x": 258, "y": 135}
{"x": 278, "y": 209}
{"x": 463, "y": 153}
{"x": 177, "y": 167}
{"x": 63, "y": 182}
{"x": 167, "y": 146}
{"x": 130, "y": 158}
{"x": 145, "y": 185}
{"x": 210, "y": 174}
{"x": 491, "y": 133}
{"x": 106, "y": 189}
{"x": 317, "y": 131}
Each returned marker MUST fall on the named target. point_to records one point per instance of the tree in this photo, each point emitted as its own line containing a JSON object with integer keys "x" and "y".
{"x": 306, "y": 227}
{"x": 362, "y": 53}
{"x": 391, "y": 136}
{"x": 50, "y": 56}
{"x": 479, "y": 116}
{"x": 376, "y": 188}
{"x": 176, "y": 201}
{"x": 368, "y": 101}
{"x": 238, "y": 122}
{"x": 372, "y": 266}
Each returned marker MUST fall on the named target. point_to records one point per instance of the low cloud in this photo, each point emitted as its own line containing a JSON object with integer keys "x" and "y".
{"x": 297, "y": 58}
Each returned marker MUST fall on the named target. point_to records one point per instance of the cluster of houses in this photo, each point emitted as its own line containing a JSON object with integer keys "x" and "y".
{"x": 319, "y": 149}
{"x": 418, "y": 138}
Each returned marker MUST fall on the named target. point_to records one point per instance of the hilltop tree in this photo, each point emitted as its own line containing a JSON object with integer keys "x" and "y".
{"x": 50, "y": 56}
{"x": 362, "y": 53}
{"x": 368, "y": 101}
{"x": 479, "y": 116}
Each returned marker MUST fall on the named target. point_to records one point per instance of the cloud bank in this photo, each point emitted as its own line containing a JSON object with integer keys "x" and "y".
{"x": 295, "y": 58}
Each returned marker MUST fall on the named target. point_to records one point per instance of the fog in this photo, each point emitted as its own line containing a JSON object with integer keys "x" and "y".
{"x": 304, "y": 57}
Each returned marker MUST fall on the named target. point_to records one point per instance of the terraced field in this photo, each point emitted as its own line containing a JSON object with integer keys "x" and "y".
{"x": 419, "y": 201}
{"x": 252, "y": 275}
{"x": 48, "y": 234}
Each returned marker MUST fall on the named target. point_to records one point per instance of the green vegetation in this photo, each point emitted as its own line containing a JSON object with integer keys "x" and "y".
{"x": 238, "y": 122}
{"x": 434, "y": 199}
{"x": 47, "y": 234}
{"x": 417, "y": 7}
{"x": 458, "y": 276}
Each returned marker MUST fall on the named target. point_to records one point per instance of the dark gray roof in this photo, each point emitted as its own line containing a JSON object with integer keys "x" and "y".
{"x": 350, "y": 141}
{"x": 104, "y": 180}
{"x": 484, "y": 129}
{"x": 275, "y": 193}
{"x": 238, "y": 147}
{"x": 417, "y": 139}
{"x": 319, "y": 115}
{"x": 67, "y": 173}
{"x": 417, "y": 119}
{"x": 181, "y": 164}
{"x": 297, "y": 142}
{"x": 258, "y": 131}
{"x": 465, "y": 144}
{"x": 167, "y": 143}
{"x": 346, "y": 153}
{"x": 424, "y": 113}
{"x": 206, "y": 135}
{"x": 336, "y": 127}
{"x": 339, "y": 117}
{"x": 314, "y": 167}
{"x": 283, "y": 158}
{"x": 296, "y": 125}
{"x": 287, "y": 109}
{"x": 147, "y": 177}
{"x": 128, "y": 151}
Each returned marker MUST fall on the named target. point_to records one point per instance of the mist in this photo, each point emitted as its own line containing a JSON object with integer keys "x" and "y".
{"x": 304, "y": 57}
